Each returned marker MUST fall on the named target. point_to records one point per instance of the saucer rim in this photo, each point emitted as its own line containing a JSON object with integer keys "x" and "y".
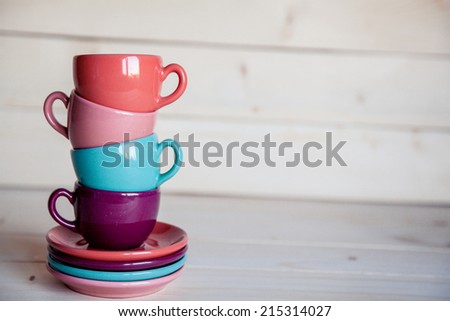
{"x": 110, "y": 289}
{"x": 123, "y": 255}
{"x": 117, "y": 276}
{"x": 116, "y": 266}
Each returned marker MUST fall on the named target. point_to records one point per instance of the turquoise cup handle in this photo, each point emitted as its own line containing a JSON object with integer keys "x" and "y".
{"x": 177, "y": 161}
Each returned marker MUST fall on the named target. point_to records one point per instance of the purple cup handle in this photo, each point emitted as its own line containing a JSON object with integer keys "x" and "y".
{"x": 54, "y": 212}
{"x": 48, "y": 111}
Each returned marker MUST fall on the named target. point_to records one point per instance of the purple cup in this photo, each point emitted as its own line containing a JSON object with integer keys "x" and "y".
{"x": 109, "y": 220}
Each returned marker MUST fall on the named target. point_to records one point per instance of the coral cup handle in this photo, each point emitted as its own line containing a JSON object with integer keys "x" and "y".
{"x": 54, "y": 212}
{"x": 48, "y": 111}
{"x": 182, "y": 83}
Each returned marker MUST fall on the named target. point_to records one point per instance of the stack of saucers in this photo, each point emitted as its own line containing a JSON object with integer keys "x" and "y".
{"x": 115, "y": 246}
{"x": 117, "y": 274}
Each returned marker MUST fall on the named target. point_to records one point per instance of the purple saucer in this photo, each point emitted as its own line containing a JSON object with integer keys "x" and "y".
{"x": 115, "y": 265}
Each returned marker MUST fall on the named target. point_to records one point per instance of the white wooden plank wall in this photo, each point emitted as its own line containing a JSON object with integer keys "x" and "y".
{"x": 375, "y": 73}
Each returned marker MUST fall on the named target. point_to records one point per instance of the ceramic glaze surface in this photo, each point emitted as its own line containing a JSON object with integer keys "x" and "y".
{"x": 108, "y": 289}
{"x": 116, "y": 265}
{"x": 163, "y": 240}
{"x": 132, "y": 166}
{"x": 116, "y": 276}
{"x": 109, "y": 220}
{"x": 127, "y": 82}
{"x": 93, "y": 125}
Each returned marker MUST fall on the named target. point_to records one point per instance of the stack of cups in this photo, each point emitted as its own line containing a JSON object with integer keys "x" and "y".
{"x": 116, "y": 156}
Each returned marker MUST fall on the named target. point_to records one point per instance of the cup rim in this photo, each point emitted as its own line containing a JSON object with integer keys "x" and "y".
{"x": 76, "y": 96}
{"x": 90, "y": 149}
{"x": 79, "y": 186}
{"x": 103, "y": 55}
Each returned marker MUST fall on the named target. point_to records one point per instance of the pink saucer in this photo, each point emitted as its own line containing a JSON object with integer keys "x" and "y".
{"x": 164, "y": 240}
{"x": 106, "y": 289}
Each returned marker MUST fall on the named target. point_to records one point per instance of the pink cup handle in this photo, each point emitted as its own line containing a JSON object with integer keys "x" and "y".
{"x": 182, "y": 83}
{"x": 48, "y": 111}
{"x": 54, "y": 212}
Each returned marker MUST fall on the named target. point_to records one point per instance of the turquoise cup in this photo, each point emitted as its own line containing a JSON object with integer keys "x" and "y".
{"x": 129, "y": 166}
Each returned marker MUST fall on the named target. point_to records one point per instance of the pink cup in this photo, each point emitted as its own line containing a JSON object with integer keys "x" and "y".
{"x": 93, "y": 125}
{"x": 126, "y": 82}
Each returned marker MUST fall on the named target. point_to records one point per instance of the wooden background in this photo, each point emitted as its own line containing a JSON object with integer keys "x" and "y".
{"x": 374, "y": 73}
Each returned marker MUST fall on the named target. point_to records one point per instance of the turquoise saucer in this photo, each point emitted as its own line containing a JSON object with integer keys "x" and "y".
{"x": 117, "y": 276}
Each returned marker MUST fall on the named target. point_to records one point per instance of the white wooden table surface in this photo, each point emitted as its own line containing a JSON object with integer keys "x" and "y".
{"x": 249, "y": 249}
